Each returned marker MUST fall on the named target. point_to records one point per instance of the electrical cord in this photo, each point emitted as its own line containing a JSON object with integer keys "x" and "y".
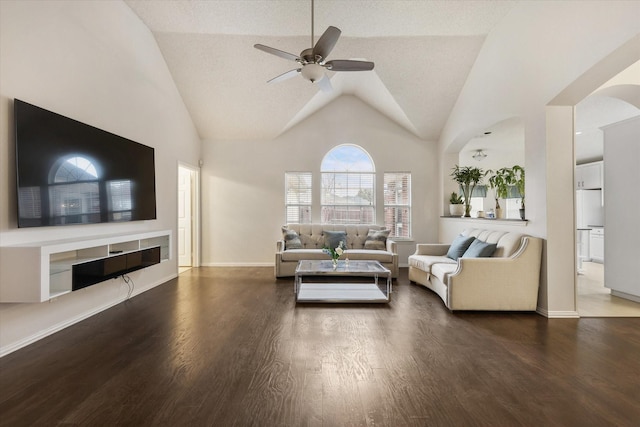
{"x": 130, "y": 284}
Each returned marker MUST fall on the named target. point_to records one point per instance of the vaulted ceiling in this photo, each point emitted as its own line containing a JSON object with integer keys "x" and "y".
{"x": 423, "y": 52}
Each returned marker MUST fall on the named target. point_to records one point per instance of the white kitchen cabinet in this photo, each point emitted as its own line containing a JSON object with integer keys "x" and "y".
{"x": 596, "y": 245}
{"x": 589, "y": 176}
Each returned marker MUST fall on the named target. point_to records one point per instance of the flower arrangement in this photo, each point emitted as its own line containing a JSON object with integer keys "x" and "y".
{"x": 335, "y": 253}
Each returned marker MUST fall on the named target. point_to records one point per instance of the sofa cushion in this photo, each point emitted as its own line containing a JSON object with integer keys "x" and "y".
{"x": 508, "y": 245}
{"x": 506, "y": 242}
{"x": 459, "y": 246}
{"x": 368, "y": 255}
{"x": 424, "y": 262}
{"x": 479, "y": 249}
{"x": 442, "y": 271}
{"x": 377, "y": 240}
{"x": 333, "y": 238}
{"x": 291, "y": 239}
{"x": 300, "y": 254}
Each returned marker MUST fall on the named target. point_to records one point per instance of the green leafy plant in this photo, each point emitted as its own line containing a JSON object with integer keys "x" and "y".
{"x": 455, "y": 199}
{"x": 518, "y": 181}
{"x": 503, "y": 178}
{"x": 467, "y": 177}
{"x": 499, "y": 181}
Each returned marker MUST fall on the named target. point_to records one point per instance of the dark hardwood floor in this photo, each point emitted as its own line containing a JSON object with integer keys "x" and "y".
{"x": 229, "y": 347}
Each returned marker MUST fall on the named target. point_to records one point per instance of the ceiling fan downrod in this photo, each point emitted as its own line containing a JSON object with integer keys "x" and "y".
{"x": 312, "y": 38}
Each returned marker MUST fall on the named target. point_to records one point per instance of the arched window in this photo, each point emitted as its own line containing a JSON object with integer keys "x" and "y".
{"x": 348, "y": 186}
{"x": 74, "y": 191}
{"x": 75, "y": 169}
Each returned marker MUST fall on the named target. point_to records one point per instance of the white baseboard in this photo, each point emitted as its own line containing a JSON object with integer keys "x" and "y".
{"x": 625, "y": 295}
{"x": 238, "y": 264}
{"x": 557, "y": 314}
{"x": 62, "y": 325}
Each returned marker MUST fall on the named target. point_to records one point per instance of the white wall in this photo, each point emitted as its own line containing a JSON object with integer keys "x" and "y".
{"x": 538, "y": 50}
{"x": 97, "y": 63}
{"x": 622, "y": 233}
{"x": 243, "y": 181}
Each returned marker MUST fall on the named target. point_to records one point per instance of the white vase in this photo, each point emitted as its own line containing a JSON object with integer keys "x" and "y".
{"x": 456, "y": 210}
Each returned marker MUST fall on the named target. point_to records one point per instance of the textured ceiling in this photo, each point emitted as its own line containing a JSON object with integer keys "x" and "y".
{"x": 423, "y": 52}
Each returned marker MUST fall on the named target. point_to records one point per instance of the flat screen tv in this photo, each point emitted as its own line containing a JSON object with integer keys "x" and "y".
{"x": 69, "y": 172}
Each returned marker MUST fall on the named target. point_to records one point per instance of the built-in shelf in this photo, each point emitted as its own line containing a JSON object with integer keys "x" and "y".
{"x": 40, "y": 271}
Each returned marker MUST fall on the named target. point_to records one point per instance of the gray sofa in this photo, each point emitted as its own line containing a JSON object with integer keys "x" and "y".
{"x": 506, "y": 280}
{"x": 312, "y": 238}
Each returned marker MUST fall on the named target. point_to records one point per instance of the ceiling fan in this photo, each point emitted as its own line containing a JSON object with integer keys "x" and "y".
{"x": 313, "y": 61}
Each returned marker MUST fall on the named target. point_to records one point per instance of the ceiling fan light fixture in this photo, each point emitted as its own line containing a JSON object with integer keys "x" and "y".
{"x": 313, "y": 72}
{"x": 314, "y": 59}
{"x": 479, "y": 155}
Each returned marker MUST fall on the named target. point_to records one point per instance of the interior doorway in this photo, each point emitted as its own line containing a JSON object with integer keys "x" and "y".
{"x": 188, "y": 221}
{"x": 606, "y": 106}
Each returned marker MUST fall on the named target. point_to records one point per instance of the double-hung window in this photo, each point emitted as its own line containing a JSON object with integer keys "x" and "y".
{"x": 298, "y": 197}
{"x": 397, "y": 204}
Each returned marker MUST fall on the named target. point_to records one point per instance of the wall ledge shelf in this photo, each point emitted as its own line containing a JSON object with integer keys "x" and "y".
{"x": 485, "y": 221}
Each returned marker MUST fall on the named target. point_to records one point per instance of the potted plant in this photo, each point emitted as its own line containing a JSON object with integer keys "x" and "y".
{"x": 499, "y": 181}
{"x": 467, "y": 177}
{"x": 456, "y": 207}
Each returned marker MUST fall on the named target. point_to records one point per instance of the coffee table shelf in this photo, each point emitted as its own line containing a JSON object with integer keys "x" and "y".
{"x": 319, "y": 281}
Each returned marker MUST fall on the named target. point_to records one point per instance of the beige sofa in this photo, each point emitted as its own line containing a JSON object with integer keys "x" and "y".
{"x": 313, "y": 240}
{"x": 508, "y": 280}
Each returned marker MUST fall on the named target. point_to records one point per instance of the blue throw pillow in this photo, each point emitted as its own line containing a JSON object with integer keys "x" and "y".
{"x": 459, "y": 246}
{"x": 480, "y": 249}
{"x": 333, "y": 238}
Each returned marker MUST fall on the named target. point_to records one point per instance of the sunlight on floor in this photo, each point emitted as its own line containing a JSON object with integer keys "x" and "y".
{"x": 183, "y": 269}
{"x": 594, "y": 300}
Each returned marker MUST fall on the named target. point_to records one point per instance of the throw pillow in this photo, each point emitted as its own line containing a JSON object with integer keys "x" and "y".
{"x": 459, "y": 246}
{"x": 333, "y": 238}
{"x": 377, "y": 240}
{"x": 291, "y": 239}
{"x": 480, "y": 249}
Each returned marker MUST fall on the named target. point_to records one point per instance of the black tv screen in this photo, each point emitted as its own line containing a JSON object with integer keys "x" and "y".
{"x": 69, "y": 172}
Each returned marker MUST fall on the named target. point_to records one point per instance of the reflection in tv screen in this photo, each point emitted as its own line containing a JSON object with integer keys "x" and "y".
{"x": 69, "y": 172}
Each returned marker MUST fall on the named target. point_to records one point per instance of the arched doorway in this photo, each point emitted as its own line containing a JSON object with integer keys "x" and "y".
{"x": 560, "y": 132}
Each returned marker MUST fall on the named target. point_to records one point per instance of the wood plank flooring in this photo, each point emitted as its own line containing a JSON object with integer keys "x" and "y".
{"x": 595, "y": 300}
{"x": 229, "y": 347}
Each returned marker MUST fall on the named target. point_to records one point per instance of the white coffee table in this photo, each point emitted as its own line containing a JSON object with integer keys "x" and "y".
{"x": 318, "y": 281}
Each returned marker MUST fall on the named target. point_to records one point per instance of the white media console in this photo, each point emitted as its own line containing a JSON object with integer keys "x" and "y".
{"x": 37, "y": 272}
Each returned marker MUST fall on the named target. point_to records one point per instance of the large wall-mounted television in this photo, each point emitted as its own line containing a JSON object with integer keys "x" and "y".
{"x": 69, "y": 172}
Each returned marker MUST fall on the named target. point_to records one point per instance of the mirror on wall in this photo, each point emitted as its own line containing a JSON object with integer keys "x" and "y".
{"x": 498, "y": 146}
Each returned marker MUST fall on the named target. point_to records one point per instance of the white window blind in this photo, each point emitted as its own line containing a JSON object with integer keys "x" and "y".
{"x": 397, "y": 204}
{"x": 348, "y": 198}
{"x": 298, "y": 186}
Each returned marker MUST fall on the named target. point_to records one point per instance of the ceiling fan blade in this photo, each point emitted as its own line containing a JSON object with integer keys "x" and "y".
{"x": 325, "y": 84}
{"x": 349, "y": 65}
{"x": 285, "y": 76}
{"x": 277, "y": 52}
{"x": 326, "y": 42}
